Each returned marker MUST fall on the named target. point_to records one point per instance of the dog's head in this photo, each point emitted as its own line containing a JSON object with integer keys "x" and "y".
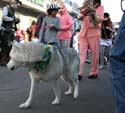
{"x": 16, "y": 56}
{"x": 22, "y": 53}
{"x": 13, "y": 64}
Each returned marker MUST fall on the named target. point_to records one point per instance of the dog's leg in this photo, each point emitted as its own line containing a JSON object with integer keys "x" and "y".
{"x": 56, "y": 90}
{"x": 28, "y": 101}
{"x": 70, "y": 84}
{"x": 76, "y": 88}
{"x": 73, "y": 83}
{"x": 70, "y": 90}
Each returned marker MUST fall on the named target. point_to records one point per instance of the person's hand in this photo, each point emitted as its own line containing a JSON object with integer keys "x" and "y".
{"x": 17, "y": 20}
{"x": 50, "y": 26}
{"x": 108, "y": 28}
{"x": 92, "y": 11}
{"x": 64, "y": 29}
{"x": 80, "y": 16}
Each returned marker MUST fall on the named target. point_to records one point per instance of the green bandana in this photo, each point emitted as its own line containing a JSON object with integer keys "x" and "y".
{"x": 40, "y": 65}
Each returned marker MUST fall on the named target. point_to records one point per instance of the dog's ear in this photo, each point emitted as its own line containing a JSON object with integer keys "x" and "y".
{"x": 12, "y": 43}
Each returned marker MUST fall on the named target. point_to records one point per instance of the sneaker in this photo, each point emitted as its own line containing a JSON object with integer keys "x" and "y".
{"x": 100, "y": 67}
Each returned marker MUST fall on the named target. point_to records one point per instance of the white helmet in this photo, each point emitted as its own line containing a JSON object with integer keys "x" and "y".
{"x": 53, "y": 7}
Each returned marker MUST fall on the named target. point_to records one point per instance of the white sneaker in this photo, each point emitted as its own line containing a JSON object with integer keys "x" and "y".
{"x": 100, "y": 67}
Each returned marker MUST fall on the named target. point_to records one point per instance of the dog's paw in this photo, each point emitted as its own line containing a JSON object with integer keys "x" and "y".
{"x": 55, "y": 102}
{"x": 24, "y": 106}
{"x": 76, "y": 94}
{"x": 69, "y": 92}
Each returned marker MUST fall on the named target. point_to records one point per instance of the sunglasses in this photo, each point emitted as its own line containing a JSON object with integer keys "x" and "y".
{"x": 62, "y": 7}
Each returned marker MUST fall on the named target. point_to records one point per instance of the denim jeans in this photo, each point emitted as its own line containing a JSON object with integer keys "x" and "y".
{"x": 64, "y": 43}
{"x": 104, "y": 52}
{"x": 117, "y": 68}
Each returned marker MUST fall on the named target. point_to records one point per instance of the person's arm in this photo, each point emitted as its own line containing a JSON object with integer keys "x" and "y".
{"x": 69, "y": 23}
{"x": 5, "y": 13}
{"x": 110, "y": 29}
{"x": 42, "y": 30}
{"x": 99, "y": 15}
{"x": 56, "y": 27}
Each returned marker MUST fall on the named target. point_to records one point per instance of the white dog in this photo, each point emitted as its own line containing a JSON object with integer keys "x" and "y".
{"x": 63, "y": 62}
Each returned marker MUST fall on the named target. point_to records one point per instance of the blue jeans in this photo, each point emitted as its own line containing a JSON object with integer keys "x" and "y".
{"x": 117, "y": 68}
{"x": 104, "y": 52}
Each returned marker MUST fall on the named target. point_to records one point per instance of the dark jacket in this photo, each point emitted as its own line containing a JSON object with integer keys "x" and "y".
{"x": 106, "y": 33}
{"x": 10, "y": 14}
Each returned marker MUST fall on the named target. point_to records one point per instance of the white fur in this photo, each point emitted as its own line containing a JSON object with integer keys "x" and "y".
{"x": 65, "y": 63}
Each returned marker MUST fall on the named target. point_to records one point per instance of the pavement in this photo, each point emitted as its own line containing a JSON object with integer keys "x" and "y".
{"x": 95, "y": 96}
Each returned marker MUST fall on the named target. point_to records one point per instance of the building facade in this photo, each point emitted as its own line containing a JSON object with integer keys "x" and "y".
{"x": 32, "y": 8}
{"x": 27, "y": 13}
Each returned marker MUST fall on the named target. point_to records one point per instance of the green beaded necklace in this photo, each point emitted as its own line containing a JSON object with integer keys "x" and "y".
{"x": 40, "y": 65}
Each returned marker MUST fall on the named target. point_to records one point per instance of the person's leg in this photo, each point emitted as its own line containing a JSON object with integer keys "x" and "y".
{"x": 117, "y": 67}
{"x": 101, "y": 55}
{"x": 107, "y": 53}
{"x": 0, "y": 45}
{"x": 119, "y": 91}
{"x": 83, "y": 47}
{"x": 65, "y": 43}
{"x": 117, "y": 77}
{"x": 8, "y": 37}
{"x": 94, "y": 47}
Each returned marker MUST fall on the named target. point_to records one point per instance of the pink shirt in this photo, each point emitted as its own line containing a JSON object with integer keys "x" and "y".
{"x": 66, "y": 22}
{"x": 87, "y": 29}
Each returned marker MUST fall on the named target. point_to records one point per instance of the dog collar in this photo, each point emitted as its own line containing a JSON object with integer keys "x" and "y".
{"x": 40, "y": 65}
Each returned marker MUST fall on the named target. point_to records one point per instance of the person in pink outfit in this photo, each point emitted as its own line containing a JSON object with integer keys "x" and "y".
{"x": 89, "y": 38}
{"x": 64, "y": 36}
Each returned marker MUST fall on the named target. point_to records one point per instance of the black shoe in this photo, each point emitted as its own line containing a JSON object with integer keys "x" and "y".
{"x": 94, "y": 76}
{"x": 79, "y": 77}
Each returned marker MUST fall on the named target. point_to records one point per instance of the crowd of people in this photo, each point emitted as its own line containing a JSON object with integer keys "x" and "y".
{"x": 93, "y": 39}
{"x": 55, "y": 27}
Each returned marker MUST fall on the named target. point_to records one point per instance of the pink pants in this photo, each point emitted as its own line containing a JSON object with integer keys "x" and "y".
{"x": 92, "y": 44}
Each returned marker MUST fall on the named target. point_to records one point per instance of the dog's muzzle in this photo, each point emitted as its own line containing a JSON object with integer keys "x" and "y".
{"x": 12, "y": 68}
{"x": 11, "y": 65}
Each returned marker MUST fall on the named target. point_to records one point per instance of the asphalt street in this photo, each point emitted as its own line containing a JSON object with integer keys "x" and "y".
{"x": 95, "y": 96}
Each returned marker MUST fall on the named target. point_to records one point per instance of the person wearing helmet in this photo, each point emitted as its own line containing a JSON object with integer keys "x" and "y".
{"x": 50, "y": 26}
{"x": 7, "y": 32}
